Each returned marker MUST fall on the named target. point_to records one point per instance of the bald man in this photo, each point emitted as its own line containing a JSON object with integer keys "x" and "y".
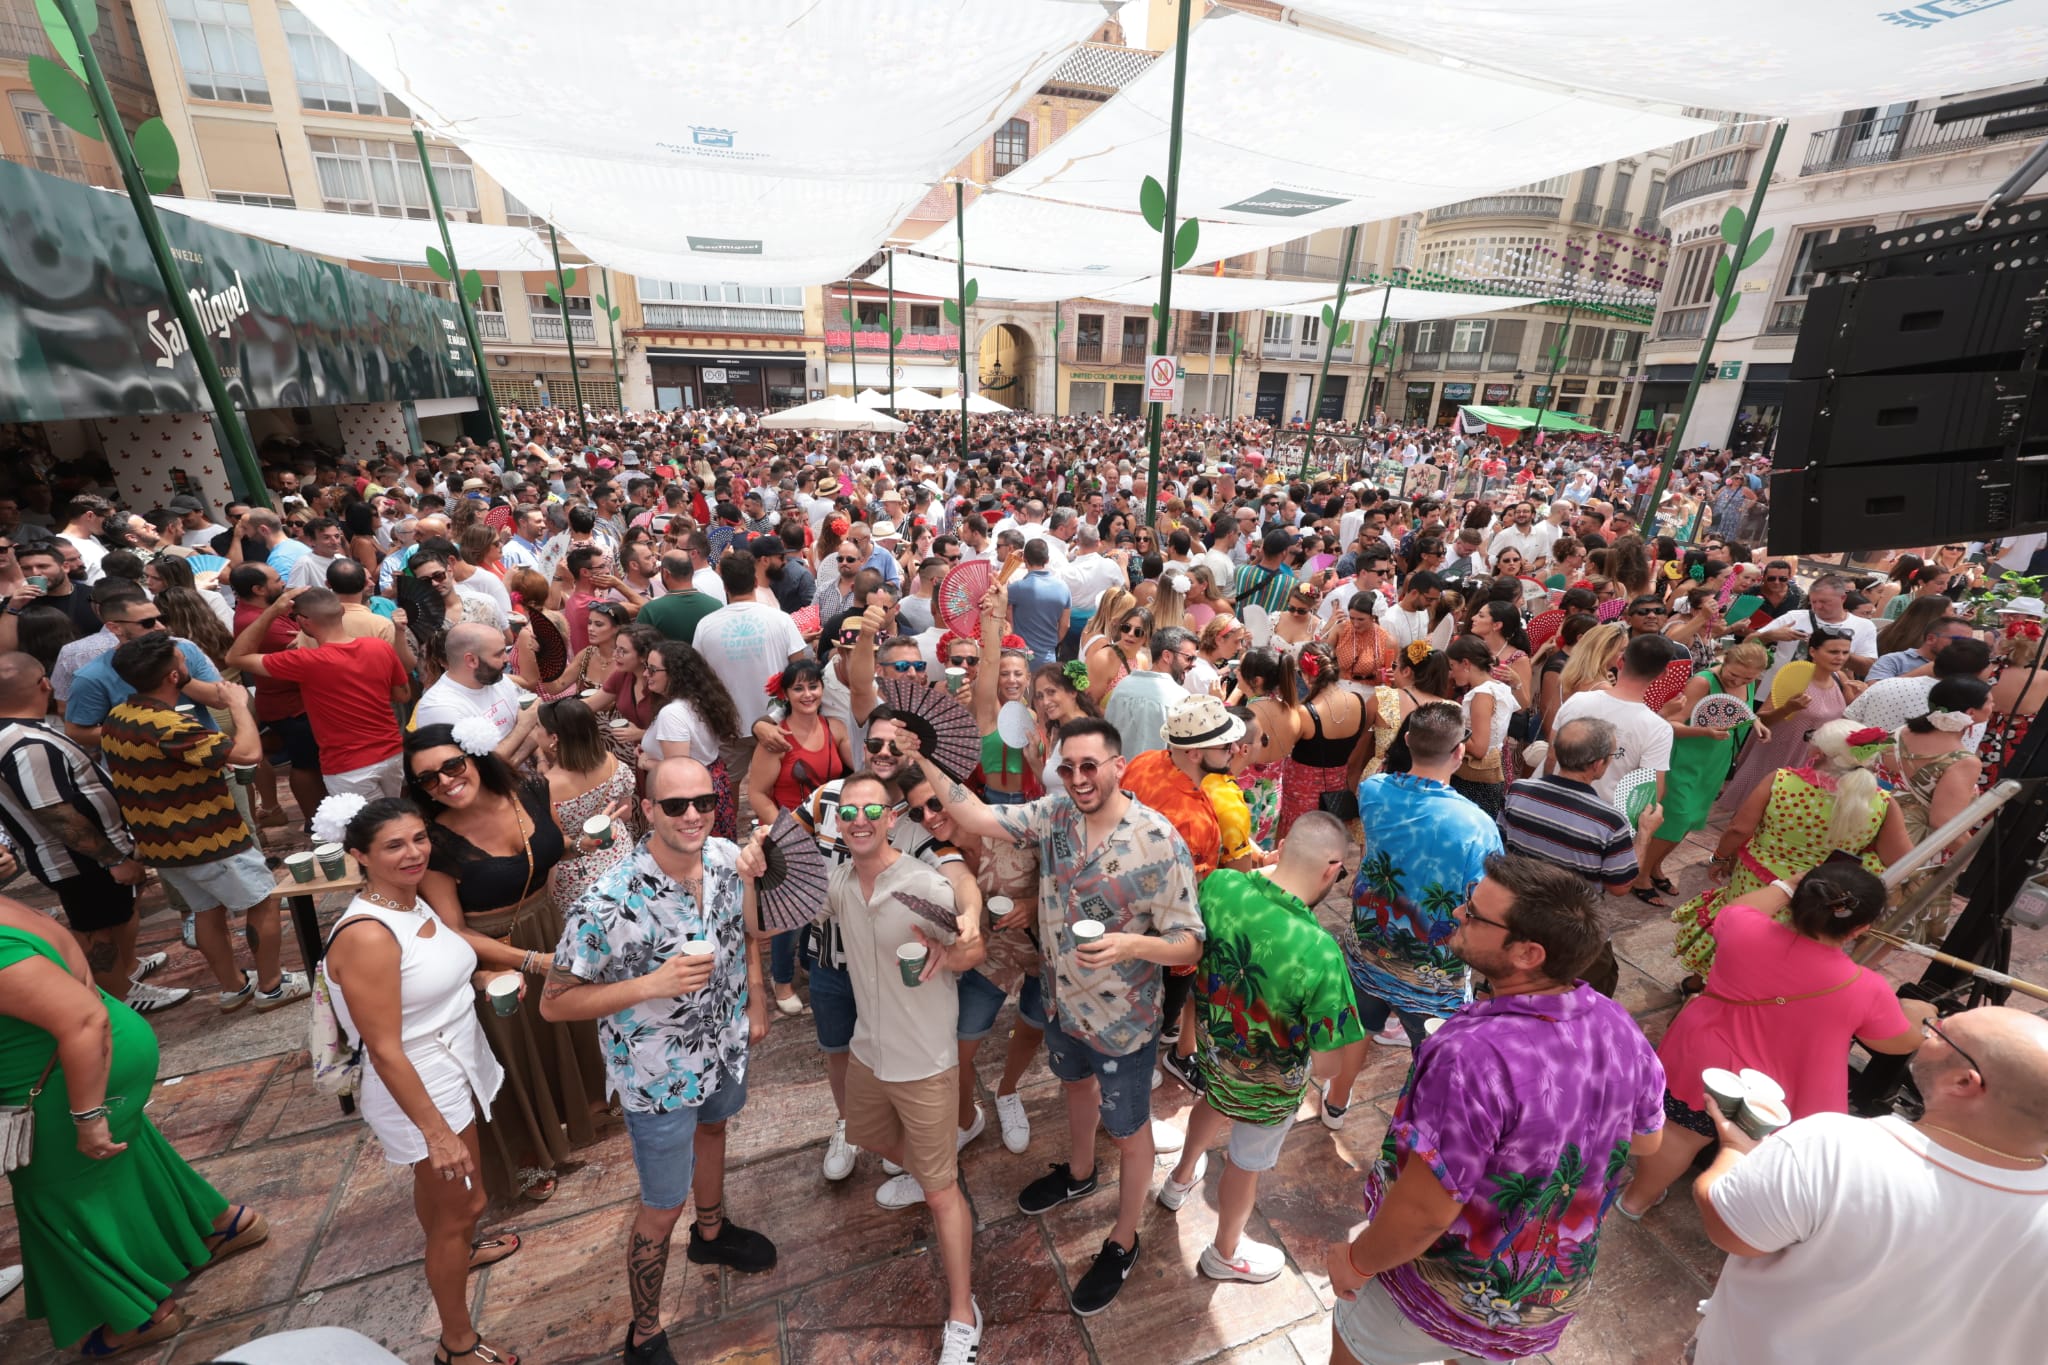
{"x": 428, "y": 527}
{"x": 475, "y": 685}
{"x": 1877, "y": 1240}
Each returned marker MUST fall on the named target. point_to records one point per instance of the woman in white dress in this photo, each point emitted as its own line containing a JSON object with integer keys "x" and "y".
{"x": 404, "y": 984}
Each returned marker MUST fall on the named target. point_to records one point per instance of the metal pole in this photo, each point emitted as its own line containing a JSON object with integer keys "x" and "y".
{"x": 891, "y": 330}
{"x": 611, "y": 338}
{"x": 1315, "y": 402}
{"x": 960, "y": 239}
{"x": 1056, "y": 359}
{"x": 1705, "y": 363}
{"x": 853, "y": 335}
{"x": 1155, "y": 418}
{"x": 1214, "y": 318}
{"x": 239, "y": 448}
{"x": 568, "y": 333}
{"x": 1556, "y": 363}
{"x": 1372, "y": 360}
{"x": 476, "y": 340}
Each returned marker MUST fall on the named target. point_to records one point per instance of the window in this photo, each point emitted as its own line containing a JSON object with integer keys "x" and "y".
{"x": 1621, "y": 345}
{"x": 1311, "y": 331}
{"x": 1013, "y": 146}
{"x": 1088, "y": 336}
{"x": 518, "y": 215}
{"x": 260, "y": 201}
{"x": 1791, "y": 308}
{"x": 871, "y": 312}
{"x": 759, "y": 296}
{"x": 383, "y": 179}
{"x": 217, "y": 48}
{"x": 327, "y": 78}
{"x": 1653, "y": 202}
{"x": 1589, "y": 185}
{"x": 1624, "y": 181}
{"x": 924, "y": 317}
{"x": 1695, "y": 274}
{"x": 541, "y": 303}
{"x": 50, "y": 147}
{"x": 1425, "y": 338}
{"x": 1135, "y": 330}
{"x": 1279, "y": 328}
{"x": 1468, "y": 335}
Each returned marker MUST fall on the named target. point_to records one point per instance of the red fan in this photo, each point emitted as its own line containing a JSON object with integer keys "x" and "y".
{"x": 792, "y": 890}
{"x": 960, "y": 594}
{"x": 806, "y": 621}
{"x": 1611, "y": 609}
{"x": 1543, "y": 625}
{"x": 945, "y": 730}
{"x": 1669, "y": 683}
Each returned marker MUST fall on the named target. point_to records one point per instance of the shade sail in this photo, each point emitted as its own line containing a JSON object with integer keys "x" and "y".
{"x": 1521, "y": 419}
{"x": 1411, "y": 305}
{"x": 1820, "y": 56}
{"x": 837, "y": 413}
{"x": 1221, "y": 294}
{"x": 355, "y": 237}
{"x": 705, "y": 158}
{"x": 917, "y": 400}
{"x": 939, "y": 279}
{"x": 872, "y": 398}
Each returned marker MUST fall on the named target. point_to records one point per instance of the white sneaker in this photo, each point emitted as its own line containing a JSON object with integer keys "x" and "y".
{"x": 1166, "y": 1137}
{"x": 1391, "y": 1033}
{"x": 290, "y": 986}
{"x": 1173, "y": 1194}
{"x": 899, "y": 1192}
{"x": 1332, "y": 1114}
{"x": 891, "y": 1168}
{"x": 790, "y": 1004}
{"x": 187, "y": 933}
{"x": 962, "y": 1344}
{"x": 1254, "y": 1262}
{"x": 145, "y": 965}
{"x": 1016, "y": 1124}
{"x": 146, "y": 999}
{"x": 973, "y": 1130}
{"x": 839, "y": 1153}
{"x": 10, "y": 1280}
{"x": 230, "y": 1001}
{"x": 1158, "y": 1077}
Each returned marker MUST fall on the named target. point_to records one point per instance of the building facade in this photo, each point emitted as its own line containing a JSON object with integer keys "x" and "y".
{"x": 29, "y": 135}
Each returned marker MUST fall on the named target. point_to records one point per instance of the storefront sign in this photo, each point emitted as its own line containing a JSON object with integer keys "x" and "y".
{"x": 1457, "y": 393}
{"x": 1730, "y": 369}
{"x": 91, "y": 334}
{"x": 1108, "y": 376}
{"x": 1419, "y": 392}
{"x": 1497, "y": 394}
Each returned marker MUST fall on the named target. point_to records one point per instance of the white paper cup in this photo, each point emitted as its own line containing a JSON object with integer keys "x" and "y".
{"x": 619, "y": 722}
{"x": 910, "y": 962}
{"x": 504, "y": 994}
{"x": 301, "y": 866}
{"x": 1760, "y": 1118}
{"x": 1430, "y": 1026}
{"x": 599, "y": 827}
{"x": 1087, "y": 931}
{"x": 1724, "y": 1089}
{"x": 956, "y": 678}
{"x": 999, "y": 906}
{"x": 698, "y": 947}
{"x": 1757, "y": 1086}
{"x": 333, "y": 860}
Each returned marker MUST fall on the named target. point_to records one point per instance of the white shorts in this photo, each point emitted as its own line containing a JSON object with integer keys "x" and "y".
{"x": 386, "y": 777}
{"x": 1376, "y": 1332}
{"x": 1256, "y": 1146}
{"x": 237, "y": 882}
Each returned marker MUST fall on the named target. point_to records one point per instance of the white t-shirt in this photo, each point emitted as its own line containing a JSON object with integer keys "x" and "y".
{"x": 708, "y": 581}
{"x": 1497, "y": 726}
{"x": 90, "y": 551}
{"x": 1862, "y": 632}
{"x": 484, "y": 583}
{"x": 1642, "y": 738}
{"x": 679, "y": 731}
{"x": 1881, "y": 1241}
{"x": 448, "y": 701}
{"x": 746, "y": 644}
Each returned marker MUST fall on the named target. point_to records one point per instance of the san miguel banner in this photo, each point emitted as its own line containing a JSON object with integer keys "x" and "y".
{"x": 86, "y": 330}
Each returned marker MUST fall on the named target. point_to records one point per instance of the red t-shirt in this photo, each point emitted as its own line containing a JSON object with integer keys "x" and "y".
{"x": 275, "y": 699}
{"x": 351, "y": 707}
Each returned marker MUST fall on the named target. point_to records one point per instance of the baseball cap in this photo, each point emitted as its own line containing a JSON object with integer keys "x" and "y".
{"x": 185, "y": 503}
{"x": 766, "y": 545}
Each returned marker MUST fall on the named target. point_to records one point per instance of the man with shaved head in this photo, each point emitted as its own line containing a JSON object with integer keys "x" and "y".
{"x": 475, "y": 685}
{"x": 1892, "y": 1239}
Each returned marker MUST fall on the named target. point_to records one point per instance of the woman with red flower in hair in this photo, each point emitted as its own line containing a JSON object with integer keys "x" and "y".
{"x": 1329, "y": 722}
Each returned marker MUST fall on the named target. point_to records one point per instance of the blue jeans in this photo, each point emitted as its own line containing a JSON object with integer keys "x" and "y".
{"x": 992, "y": 797}
{"x": 1126, "y": 1081}
{"x": 782, "y": 957}
{"x": 665, "y": 1144}
{"x": 833, "y": 1012}
{"x": 1373, "y": 1012}
{"x": 981, "y": 1002}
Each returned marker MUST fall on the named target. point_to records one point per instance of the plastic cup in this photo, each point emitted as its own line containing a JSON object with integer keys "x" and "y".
{"x": 36, "y": 580}
{"x": 504, "y": 995}
{"x": 999, "y": 906}
{"x": 243, "y": 773}
{"x": 599, "y": 827}
{"x": 1086, "y": 931}
{"x": 1757, "y": 1086}
{"x": 1725, "y": 1089}
{"x": 910, "y": 962}
{"x": 1760, "y": 1118}
{"x": 301, "y": 866}
{"x": 956, "y": 678}
{"x": 1430, "y": 1026}
{"x": 698, "y": 947}
{"x": 333, "y": 861}
{"x": 619, "y": 722}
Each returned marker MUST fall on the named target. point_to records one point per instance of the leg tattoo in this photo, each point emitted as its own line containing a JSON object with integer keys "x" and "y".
{"x": 646, "y": 1268}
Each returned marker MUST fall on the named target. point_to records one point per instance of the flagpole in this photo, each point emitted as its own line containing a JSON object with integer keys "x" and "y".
{"x": 1155, "y": 418}
{"x": 891, "y": 330}
{"x": 1556, "y": 364}
{"x": 476, "y": 341}
{"x": 1330, "y": 331}
{"x": 568, "y": 332}
{"x": 853, "y": 335}
{"x": 1372, "y": 360}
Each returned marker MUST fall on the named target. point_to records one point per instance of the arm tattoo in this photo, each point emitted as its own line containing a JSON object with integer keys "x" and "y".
{"x": 1175, "y": 937}
{"x": 646, "y": 1268}
{"x": 956, "y": 792}
{"x": 80, "y": 834}
{"x": 559, "y": 983}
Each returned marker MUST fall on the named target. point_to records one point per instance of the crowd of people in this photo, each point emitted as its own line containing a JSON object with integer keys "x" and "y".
{"x": 554, "y": 699}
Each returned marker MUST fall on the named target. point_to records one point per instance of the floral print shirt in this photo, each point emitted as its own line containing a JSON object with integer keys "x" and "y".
{"x": 1141, "y": 880}
{"x": 1504, "y": 1109}
{"x": 1425, "y": 847}
{"x": 666, "y": 1053}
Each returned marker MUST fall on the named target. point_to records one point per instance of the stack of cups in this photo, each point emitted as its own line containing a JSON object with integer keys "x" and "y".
{"x": 1753, "y": 1100}
{"x": 333, "y": 861}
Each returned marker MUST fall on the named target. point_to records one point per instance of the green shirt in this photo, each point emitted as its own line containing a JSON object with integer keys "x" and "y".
{"x": 676, "y": 614}
{"x": 1272, "y": 987}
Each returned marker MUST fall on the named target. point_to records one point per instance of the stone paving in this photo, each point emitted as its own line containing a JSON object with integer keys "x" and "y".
{"x": 855, "y": 1282}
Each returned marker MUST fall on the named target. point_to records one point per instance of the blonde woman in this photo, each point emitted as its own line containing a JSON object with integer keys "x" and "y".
{"x": 1170, "y": 603}
{"x": 1204, "y": 603}
{"x": 1592, "y": 660}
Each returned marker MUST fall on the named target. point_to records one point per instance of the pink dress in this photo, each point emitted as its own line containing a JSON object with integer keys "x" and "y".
{"x": 1801, "y": 1044}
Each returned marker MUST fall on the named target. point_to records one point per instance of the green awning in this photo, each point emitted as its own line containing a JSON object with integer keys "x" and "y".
{"x": 1524, "y": 418}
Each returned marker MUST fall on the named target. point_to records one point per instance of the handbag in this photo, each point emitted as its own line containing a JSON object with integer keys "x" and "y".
{"x": 1341, "y": 802}
{"x": 18, "y": 1123}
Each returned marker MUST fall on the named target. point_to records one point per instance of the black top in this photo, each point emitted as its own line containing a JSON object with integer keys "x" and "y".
{"x": 486, "y": 881}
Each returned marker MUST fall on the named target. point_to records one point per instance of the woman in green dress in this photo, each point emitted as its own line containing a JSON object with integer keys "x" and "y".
{"x": 110, "y": 1215}
{"x": 1701, "y": 759}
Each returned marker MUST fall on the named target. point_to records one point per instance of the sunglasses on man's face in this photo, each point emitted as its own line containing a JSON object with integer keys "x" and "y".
{"x": 1776, "y": 578}
{"x": 1085, "y": 769}
{"x": 906, "y": 665}
{"x": 871, "y": 812}
{"x": 846, "y": 559}
{"x": 433, "y": 777}
{"x": 929, "y": 806}
{"x": 146, "y": 622}
{"x": 674, "y": 806}
{"x": 432, "y": 579}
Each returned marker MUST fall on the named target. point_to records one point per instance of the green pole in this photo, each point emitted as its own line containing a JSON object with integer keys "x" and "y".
{"x": 1315, "y": 402}
{"x": 960, "y": 237}
{"x": 476, "y": 340}
{"x": 1155, "y": 419}
{"x": 568, "y": 332}
{"x": 891, "y": 330}
{"x": 611, "y": 338}
{"x": 1056, "y": 360}
{"x": 1556, "y": 364}
{"x": 240, "y": 450}
{"x": 1705, "y": 364}
{"x": 1372, "y": 361}
{"x": 853, "y": 335}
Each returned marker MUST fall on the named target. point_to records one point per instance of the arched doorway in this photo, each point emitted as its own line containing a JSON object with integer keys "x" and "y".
{"x": 1005, "y": 365}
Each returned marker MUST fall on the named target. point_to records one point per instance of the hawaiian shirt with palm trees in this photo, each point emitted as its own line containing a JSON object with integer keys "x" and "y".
{"x": 1425, "y": 848}
{"x": 1523, "y": 1109}
{"x": 1271, "y": 990}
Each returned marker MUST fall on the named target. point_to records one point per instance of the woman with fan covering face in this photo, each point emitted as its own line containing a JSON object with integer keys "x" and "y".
{"x": 1794, "y": 720}
{"x": 819, "y": 752}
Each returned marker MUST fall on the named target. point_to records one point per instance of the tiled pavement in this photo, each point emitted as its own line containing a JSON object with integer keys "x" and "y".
{"x": 855, "y": 1282}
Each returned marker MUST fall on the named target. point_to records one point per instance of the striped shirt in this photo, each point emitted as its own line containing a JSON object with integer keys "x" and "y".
{"x": 39, "y": 769}
{"x": 1566, "y": 824}
{"x": 170, "y": 776}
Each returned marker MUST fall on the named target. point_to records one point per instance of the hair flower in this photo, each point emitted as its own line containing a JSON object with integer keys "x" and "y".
{"x": 475, "y": 735}
{"x": 1418, "y": 650}
{"x": 1869, "y": 734}
{"x": 773, "y": 687}
{"x": 1076, "y": 673}
{"x": 331, "y": 819}
{"x": 1311, "y": 666}
{"x": 1698, "y": 572}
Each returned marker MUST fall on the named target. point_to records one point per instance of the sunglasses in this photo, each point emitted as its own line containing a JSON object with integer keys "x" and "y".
{"x": 146, "y": 622}
{"x": 432, "y": 579}
{"x": 1934, "y": 1030}
{"x": 433, "y": 777}
{"x": 1298, "y": 611}
{"x": 920, "y": 809}
{"x": 1649, "y": 611}
{"x": 906, "y": 665}
{"x": 1776, "y": 578}
{"x": 872, "y": 812}
{"x": 876, "y": 746}
{"x": 845, "y": 559}
{"x": 1086, "y": 768}
{"x": 962, "y": 660}
{"x": 674, "y": 806}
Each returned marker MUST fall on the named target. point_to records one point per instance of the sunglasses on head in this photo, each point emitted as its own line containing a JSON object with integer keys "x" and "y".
{"x": 873, "y": 811}
{"x": 930, "y": 806}
{"x": 674, "y": 806}
{"x": 433, "y": 777}
{"x": 906, "y": 665}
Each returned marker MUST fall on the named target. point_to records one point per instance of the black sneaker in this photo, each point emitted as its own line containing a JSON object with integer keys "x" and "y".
{"x": 1053, "y": 1189}
{"x": 1105, "y": 1279}
{"x": 652, "y": 1351}
{"x": 1181, "y": 1069}
{"x": 734, "y": 1247}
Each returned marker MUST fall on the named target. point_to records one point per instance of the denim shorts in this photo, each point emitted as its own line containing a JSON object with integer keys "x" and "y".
{"x": 1256, "y": 1146}
{"x": 991, "y": 796}
{"x": 981, "y": 1002}
{"x": 832, "y": 1008}
{"x": 664, "y": 1145}
{"x": 1374, "y": 1329}
{"x": 1373, "y": 1013}
{"x": 1126, "y": 1080}
{"x": 237, "y": 882}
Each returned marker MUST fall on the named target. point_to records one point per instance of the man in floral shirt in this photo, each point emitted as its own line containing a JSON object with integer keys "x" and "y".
{"x": 675, "y": 1027}
{"x": 1508, "y": 1143}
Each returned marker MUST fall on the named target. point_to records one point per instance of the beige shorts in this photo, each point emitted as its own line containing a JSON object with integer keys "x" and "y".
{"x": 918, "y": 1119}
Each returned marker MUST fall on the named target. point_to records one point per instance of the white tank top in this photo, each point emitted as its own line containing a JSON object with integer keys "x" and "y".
{"x": 438, "y": 1022}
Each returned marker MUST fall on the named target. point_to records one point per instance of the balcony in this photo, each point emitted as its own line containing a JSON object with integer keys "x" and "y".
{"x": 1586, "y": 212}
{"x": 1424, "y": 360}
{"x": 70, "y": 168}
{"x": 1728, "y": 171}
{"x": 913, "y": 343}
{"x": 491, "y": 326}
{"x": 22, "y": 41}
{"x": 1896, "y": 137}
{"x": 1302, "y": 265}
{"x": 1103, "y": 353}
{"x": 691, "y": 317}
{"x": 1683, "y": 324}
{"x": 1550, "y": 206}
{"x": 1616, "y": 219}
{"x": 1499, "y": 363}
{"x": 548, "y": 327}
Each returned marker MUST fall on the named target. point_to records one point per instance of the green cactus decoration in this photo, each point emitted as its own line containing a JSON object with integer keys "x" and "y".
{"x": 1725, "y": 265}
{"x": 553, "y": 294}
{"x": 606, "y": 306}
{"x": 63, "y": 92}
{"x": 1152, "y": 203}
{"x": 955, "y": 311}
{"x": 472, "y": 284}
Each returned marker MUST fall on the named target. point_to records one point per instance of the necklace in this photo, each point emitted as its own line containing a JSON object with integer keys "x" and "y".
{"x": 377, "y": 898}
{"x": 2034, "y": 1157}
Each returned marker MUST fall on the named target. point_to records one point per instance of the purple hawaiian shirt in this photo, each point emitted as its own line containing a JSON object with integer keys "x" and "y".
{"x": 1523, "y": 1108}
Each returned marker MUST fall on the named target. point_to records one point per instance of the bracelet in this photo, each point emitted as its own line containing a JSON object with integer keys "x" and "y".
{"x": 1780, "y": 884}
{"x": 526, "y": 963}
{"x": 1350, "y": 1259}
{"x": 98, "y": 1111}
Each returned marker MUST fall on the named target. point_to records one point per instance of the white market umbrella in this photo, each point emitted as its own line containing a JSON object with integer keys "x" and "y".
{"x": 836, "y": 413}
{"x": 975, "y": 403}
{"x": 872, "y": 398}
{"x": 917, "y": 400}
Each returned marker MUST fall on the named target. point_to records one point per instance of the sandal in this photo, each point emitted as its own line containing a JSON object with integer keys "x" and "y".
{"x": 536, "y": 1184}
{"x": 1665, "y": 884}
{"x": 95, "y": 1347}
{"x": 245, "y": 1229}
{"x": 1648, "y": 896}
{"x": 1691, "y": 986}
{"x": 491, "y": 1250}
{"x": 1622, "y": 1209}
{"x": 487, "y": 1355}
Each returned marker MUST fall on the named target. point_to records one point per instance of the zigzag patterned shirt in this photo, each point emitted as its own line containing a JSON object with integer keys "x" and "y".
{"x": 169, "y": 773}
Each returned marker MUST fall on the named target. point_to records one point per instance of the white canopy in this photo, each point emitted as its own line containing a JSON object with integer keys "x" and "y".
{"x": 872, "y": 398}
{"x": 938, "y": 279}
{"x": 837, "y": 413}
{"x": 704, "y": 157}
{"x": 355, "y": 237}
{"x": 1220, "y": 294}
{"x": 950, "y": 402}
{"x": 1410, "y": 305}
{"x": 917, "y": 400}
